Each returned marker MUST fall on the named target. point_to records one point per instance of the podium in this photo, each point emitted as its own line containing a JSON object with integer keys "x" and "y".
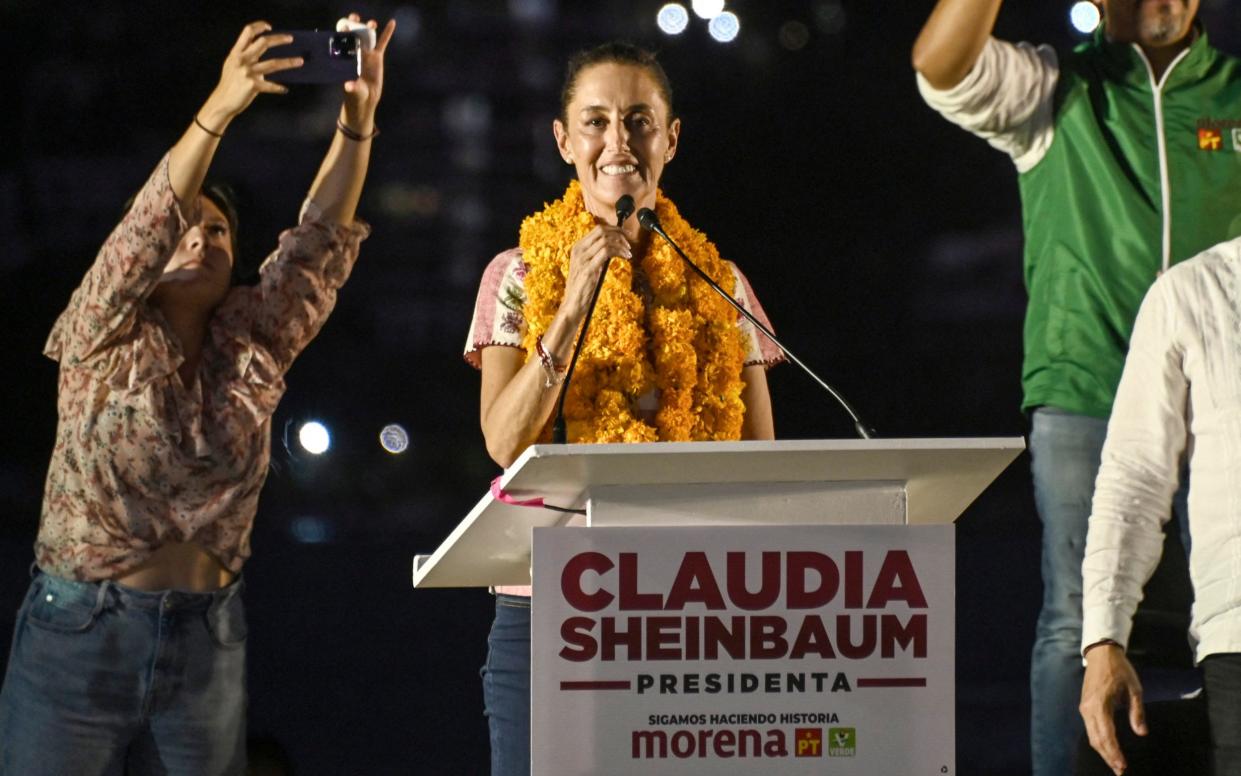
{"x": 837, "y": 481}
{"x": 733, "y": 605}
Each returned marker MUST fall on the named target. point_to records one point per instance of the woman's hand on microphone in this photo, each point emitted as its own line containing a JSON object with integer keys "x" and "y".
{"x": 588, "y": 257}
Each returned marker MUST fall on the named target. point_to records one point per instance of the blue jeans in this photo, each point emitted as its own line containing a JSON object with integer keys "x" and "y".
{"x": 506, "y": 686}
{"x": 104, "y": 680}
{"x": 1065, "y": 450}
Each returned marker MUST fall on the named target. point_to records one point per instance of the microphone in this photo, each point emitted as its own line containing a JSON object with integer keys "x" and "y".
{"x": 624, "y": 209}
{"x": 650, "y": 222}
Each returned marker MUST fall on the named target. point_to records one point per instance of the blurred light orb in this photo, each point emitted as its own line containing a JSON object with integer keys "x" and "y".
{"x": 725, "y": 27}
{"x": 408, "y": 23}
{"x": 394, "y": 438}
{"x": 794, "y": 35}
{"x": 312, "y": 529}
{"x": 672, "y": 19}
{"x": 1084, "y": 16}
{"x": 829, "y": 17}
{"x": 314, "y": 437}
{"x": 708, "y": 9}
{"x": 532, "y": 11}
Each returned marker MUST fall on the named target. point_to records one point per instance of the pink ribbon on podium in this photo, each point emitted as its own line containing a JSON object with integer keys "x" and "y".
{"x": 499, "y": 494}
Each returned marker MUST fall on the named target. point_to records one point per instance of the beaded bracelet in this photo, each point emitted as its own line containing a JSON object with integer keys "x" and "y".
{"x": 357, "y": 137}
{"x": 553, "y": 373}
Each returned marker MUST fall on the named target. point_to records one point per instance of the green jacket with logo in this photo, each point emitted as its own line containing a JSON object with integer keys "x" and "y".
{"x": 1097, "y": 231}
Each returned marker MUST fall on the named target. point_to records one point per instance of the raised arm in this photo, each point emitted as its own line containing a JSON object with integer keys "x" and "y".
{"x": 104, "y": 306}
{"x": 298, "y": 284}
{"x": 242, "y": 78}
{"x": 952, "y": 39}
{"x": 338, "y": 185}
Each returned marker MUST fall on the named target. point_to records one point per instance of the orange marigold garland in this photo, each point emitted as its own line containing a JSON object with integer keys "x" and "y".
{"x": 685, "y": 342}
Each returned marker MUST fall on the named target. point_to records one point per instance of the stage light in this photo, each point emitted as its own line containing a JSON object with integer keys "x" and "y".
{"x": 672, "y": 19}
{"x": 394, "y": 438}
{"x": 708, "y": 9}
{"x": 1084, "y": 16}
{"x": 725, "y": 27}
{"x": 314, "y": 437}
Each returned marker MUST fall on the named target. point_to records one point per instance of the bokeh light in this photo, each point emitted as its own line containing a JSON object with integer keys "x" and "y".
{"x": 708, "y": 9}
{"x": 725, "y": 27}
{"x": 1084, "y": 16}
{"x": 672, "y": 19}
{"x": 829, "y": 17}
{"x": 793, "y": 35}
{"x": 394, "y": 438}
{"x": 314, "y": 437}
{"x": 312, "y": 529}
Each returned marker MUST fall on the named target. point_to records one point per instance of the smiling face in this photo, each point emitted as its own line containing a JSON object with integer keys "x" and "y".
{"x": 200, "y": 270}
{"x": 618, "y": 134}
{"x": 1149, "y": 23}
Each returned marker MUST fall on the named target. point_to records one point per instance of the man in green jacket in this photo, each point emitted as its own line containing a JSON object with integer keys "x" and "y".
{"x": 1128, "y": 153}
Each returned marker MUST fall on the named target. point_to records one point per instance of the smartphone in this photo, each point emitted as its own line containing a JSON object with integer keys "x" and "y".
{"x": 328, "y": 57}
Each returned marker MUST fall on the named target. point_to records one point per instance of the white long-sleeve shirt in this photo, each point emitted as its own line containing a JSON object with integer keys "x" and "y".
{"x": 1006, "y": 99}
{"x": 1180, "y": 393}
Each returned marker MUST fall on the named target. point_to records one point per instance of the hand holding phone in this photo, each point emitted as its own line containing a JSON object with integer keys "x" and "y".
{"x": 327, "y": 57}
{"x": 245, "y": 75}
{"x": 365, "y": 33}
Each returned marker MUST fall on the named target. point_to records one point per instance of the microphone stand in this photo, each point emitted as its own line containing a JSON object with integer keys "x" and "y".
{"x": 559, "y": 430}
{"x": 624, "y": 209}
{"x": 650, "y": 222}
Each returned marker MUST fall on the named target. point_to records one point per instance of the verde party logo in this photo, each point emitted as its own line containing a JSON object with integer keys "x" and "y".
{"x": 842, "y": 742}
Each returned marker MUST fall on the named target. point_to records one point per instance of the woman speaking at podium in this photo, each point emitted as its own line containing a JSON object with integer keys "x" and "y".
{"x": 664, "y": 358}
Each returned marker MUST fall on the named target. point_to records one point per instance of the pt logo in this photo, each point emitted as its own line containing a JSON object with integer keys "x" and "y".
{"x": 1210, "y": 139}
{"x": 809, "y": 742}
{"x": 842, "y": 742}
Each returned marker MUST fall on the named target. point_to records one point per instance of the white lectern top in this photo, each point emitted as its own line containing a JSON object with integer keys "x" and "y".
{"x": 491, "y": 546}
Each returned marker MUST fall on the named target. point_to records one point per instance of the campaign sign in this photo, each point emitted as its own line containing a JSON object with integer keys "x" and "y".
{"x": 743, "y": 650}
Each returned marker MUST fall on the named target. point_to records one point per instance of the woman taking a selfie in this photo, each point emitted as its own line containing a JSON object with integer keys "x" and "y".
{"x": 129, "y": 649}
{"x": 665, "y": 358}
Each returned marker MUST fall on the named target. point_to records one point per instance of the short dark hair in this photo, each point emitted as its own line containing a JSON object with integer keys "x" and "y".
{"x": 223, "y": 197}
{"x": 618, "y": 52}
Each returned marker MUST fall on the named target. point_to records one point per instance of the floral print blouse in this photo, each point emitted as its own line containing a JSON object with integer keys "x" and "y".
{"x": 498, "y": 318}
{"x": 142, "y": 459}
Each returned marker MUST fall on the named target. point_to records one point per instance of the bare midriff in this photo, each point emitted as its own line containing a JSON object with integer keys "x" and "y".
{"x": 178, "y": 566}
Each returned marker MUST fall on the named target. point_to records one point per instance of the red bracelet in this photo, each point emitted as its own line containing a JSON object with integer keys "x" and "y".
{"x": 553, "y": 373}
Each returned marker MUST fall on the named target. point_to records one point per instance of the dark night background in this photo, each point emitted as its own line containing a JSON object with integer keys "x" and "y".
{"x": 884, "y": 243}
